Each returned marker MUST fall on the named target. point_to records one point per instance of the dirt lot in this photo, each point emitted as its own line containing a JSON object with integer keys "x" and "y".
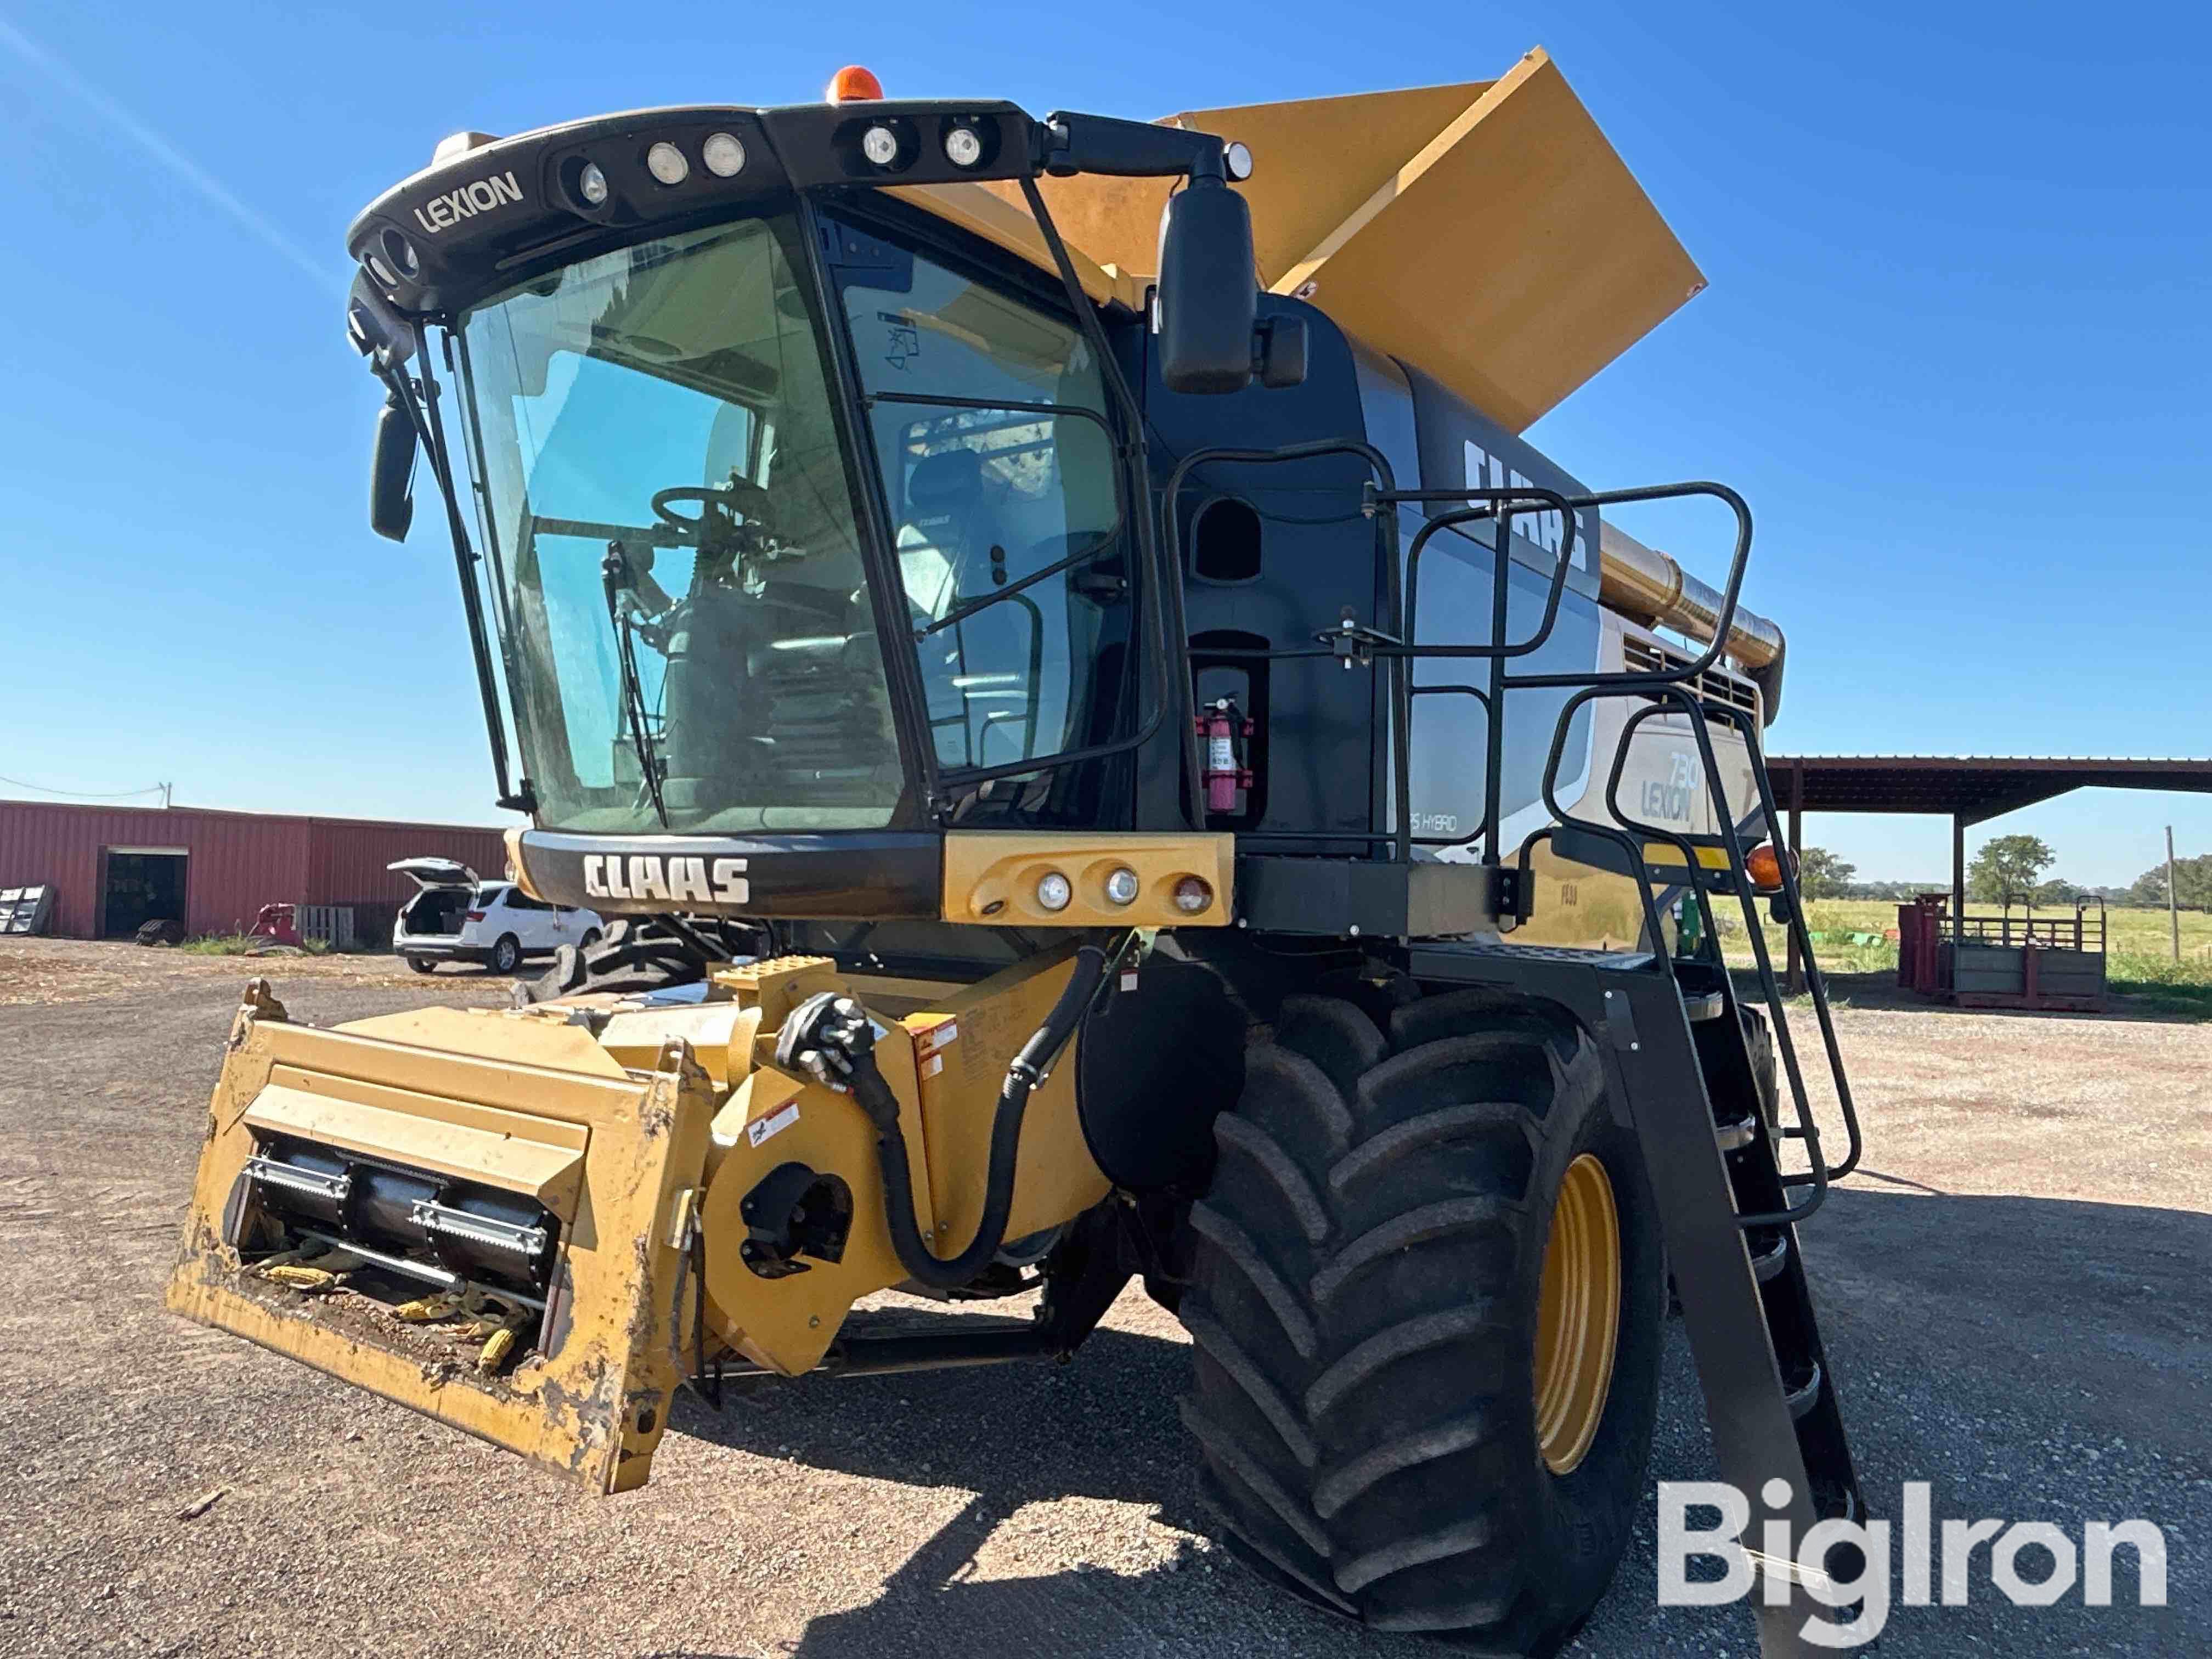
{"x": 2015, "y": 1294}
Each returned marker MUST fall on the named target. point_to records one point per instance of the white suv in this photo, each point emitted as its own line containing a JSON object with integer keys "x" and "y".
{"x": 458, "y": 918}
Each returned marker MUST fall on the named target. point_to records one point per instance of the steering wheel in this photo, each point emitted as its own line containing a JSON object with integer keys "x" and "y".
{"x": 723, "y": 508}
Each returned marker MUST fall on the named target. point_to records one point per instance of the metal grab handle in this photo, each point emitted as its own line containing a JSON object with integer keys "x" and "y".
{"x": 1805, "y": 1128}
{"x": 1815, "y": 982}
{"x": 1654, "y": 678}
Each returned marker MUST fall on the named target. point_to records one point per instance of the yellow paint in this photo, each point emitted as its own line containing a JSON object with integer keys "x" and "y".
{"x": 1484, "y": 231}
{"x": 1661, "y": 853}
{"x": 1000, "y": 216}
{"x": 1512, "y": 257}
{"x": 594, "y": 1406}
{"x": 625, "y": 1143}
{"x": 1578, "y": 906}
{"x": 945, "y": 1064}
{"x": 965, "y": 1046}
{"x": 1578, "y": 1315}
{"x": 987, "y": 868}
{"x": 520, "y": 1151}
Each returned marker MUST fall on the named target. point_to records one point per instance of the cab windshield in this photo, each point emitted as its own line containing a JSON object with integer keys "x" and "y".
{"x": 684, "y": 609}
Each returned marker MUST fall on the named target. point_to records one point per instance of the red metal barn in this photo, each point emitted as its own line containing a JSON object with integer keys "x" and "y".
{"x": 115, "y": 867}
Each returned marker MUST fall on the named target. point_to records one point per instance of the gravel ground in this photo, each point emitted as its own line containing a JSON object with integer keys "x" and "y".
{"x": 2015, "y": 1304}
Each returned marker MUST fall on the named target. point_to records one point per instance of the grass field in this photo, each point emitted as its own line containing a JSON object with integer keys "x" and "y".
{"x": 2141, "y": 950}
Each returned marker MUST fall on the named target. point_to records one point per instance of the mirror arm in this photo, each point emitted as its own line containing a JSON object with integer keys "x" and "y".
{"x": 421, "y": 400}
{"x": 1073, "y": 143}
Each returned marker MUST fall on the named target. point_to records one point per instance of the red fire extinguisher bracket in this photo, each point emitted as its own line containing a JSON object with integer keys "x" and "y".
{"x": 1226, "y": 736}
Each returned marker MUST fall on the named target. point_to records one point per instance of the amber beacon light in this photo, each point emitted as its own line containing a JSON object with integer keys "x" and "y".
{"x": 853, "y": 84}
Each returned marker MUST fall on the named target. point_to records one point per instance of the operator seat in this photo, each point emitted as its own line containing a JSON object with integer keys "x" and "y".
{"x": 947, "y": 527}
{"x": 978, "y": 673}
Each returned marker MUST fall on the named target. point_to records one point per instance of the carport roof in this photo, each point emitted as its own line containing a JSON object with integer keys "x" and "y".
{"x": 1969, "y": 788}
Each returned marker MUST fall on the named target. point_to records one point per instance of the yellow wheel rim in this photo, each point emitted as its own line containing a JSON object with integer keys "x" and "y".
{"x": 1577, "y": 1316}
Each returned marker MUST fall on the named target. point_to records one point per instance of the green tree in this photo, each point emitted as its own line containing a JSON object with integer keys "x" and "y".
{"x": 1822, "y": 875}
{"x": 2192, "y": 877}
{"x": 2007, "y": 868}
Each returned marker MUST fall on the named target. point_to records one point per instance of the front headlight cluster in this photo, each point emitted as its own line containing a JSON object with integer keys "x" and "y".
{"x": 1053, "y": 892}
{"x": 723, "y": 154}
{"x": 893, "y": 145}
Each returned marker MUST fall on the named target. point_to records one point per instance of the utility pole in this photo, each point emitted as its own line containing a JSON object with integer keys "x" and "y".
{"x": 2173, "y": 896}
{"x": 166, "y": 788}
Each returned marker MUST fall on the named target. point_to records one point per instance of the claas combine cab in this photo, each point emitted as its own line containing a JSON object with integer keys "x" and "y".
{"x": 1105, "y": 756}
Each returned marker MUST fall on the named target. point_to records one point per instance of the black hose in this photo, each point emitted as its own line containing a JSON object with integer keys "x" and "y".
{"x": 828, "y": 1036}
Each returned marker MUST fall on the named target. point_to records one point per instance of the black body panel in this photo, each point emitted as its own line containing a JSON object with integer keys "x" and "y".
{"x": 1318, "y": 747}
{"x": 489, "y": 218}
{"x": 853, "y": 874}
{"x": 1156, "y": 1065}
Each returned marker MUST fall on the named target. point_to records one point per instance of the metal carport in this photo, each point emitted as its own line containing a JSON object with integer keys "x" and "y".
{"x": 1966, "y": 788}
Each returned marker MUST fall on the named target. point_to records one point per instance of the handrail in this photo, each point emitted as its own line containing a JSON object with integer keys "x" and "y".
{"x": 1668, "y": 689}
{"x": 1816, "y": 983}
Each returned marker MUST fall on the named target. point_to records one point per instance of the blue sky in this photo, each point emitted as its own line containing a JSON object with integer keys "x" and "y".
{"x": 1955, "y": 352}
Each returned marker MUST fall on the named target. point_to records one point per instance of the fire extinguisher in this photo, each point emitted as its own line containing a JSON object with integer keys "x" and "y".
{"x": 1227, "y": 735}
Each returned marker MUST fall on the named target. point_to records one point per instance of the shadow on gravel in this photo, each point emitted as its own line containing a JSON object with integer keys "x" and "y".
{"x": 2109, "y": 1297}
{"x": 1975, "y": 1341}
{"x": 1102, "y": 1427}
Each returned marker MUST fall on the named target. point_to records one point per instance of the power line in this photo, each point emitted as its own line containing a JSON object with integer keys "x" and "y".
{"x": 161, "y": 789}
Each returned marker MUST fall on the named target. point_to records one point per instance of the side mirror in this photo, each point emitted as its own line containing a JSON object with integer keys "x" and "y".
{"x": 391, "y": 474}
{"x": 1208, "y": 301}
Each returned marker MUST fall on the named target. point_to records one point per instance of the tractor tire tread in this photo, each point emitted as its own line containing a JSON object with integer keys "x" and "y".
{"x": 1354, "y": 1304}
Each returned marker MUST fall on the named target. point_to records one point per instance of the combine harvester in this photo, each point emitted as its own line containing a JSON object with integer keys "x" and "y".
{"x": 1108, "y": 769}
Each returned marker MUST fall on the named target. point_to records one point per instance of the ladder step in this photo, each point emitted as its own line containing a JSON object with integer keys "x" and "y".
{"x": 1768, "y": 1263}
{"x": 1803, "y": 1398}
{"x": 1734, "y": 1137}
{"x": 1708, "y": 1004}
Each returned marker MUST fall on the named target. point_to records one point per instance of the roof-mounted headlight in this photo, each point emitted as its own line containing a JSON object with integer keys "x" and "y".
{"x": 724, "y": 155}
{"x": 963, "y": 145}
{"x": 880, "y": 144}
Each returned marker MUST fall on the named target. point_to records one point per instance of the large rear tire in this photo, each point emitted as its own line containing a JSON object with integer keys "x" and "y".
{"x": 1375, "y": 1322}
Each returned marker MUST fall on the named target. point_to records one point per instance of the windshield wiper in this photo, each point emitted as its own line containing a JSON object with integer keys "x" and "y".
{"x": 615, "y": 577}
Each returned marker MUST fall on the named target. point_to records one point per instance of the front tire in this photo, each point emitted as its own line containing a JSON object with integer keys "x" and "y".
{"x": 507, "y": 954}
{"x": 1373, "y": 1326}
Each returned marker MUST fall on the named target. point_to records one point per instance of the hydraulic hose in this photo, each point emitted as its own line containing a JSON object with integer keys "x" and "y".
{"x": 828, "y": 1036}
